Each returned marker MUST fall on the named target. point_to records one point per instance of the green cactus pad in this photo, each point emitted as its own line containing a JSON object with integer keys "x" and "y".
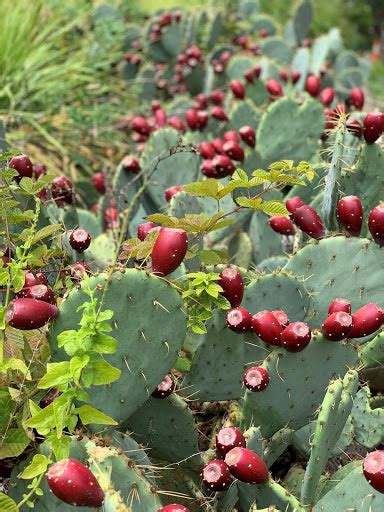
{"x": 257, "y": 92}
{"x": 214, "y": 30}
{"x": 346, "y": 59}
{"x": 368, "y": 423}
{"x": 240, "y": 249}
{"x": 244, "y": 113}
{"x": 302, "y": 19}
{"x": 238, "y": 65}
{"x": 195, "y": 79}
{"x": 320, "y": 50}
{"x": 301, "y": 62}
{"x": 275, "y": 48}
{"x": 101, "y": 252}
{"x": 338, "y": 476}
{"x": 347, "y": 79}
{"x": 145, "y": 80}
{"x": 266, "y": 242}
{"x": 293, "y": 480}
{"x": 271, "y": 264}
{"x": 90, "y": 222}
{"x": 131, "y": 296}
{"x": 266, "y": 495}
{"x": 372, "y": 353}
{"x": 248, "y": 8}
{"x": 263, "y": 21}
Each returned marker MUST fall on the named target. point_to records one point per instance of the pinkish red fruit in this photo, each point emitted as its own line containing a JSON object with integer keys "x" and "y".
{"x": 376, "y": 224}
{"x": 39, "y": 292}
{"x": 373, "y": 126}
{"x": 140, "y": 125}
{"x": 176, "y": 123}
{"x": 192, "y": 119}
{"x": 274, "y": 88}
{"x": 169, "y": 250}
{"x": 238, "y": 89}
{"x": 283, "y": 75}
{"x": 219, "y": 113}
{"x": 202, "y": 119}
{"x": 144, "y": 229}
{"x": 354, "y": 126}
{"x": 239, "y": 320}
{"x": 228, "y": 438}
{"x": 257, "y": 71}
{"x": 62, "y": 190}
{"x": 350, "y": 214}
{"x": 217, "y": 97}
{"x": 281, "y": 317}
{"x": 327, "y": 96}
{"x": 223, "y": 166}
{"x": 174, "y": 507}
{"x": 217, "y": 145}
{"x": 247, "y": 466}
{"x": 165, "y": 388}
{"x": 293, "y": 203}
{"x": 295, "y": 76}
{"x": 39, "y": 170}
{"x": 80, "y": 240}
{"x": 282, "y": 225}
{"x": 216, "y": 476}
{"x": 23, "y": 165}
{"x": 231, "y": 135}
{"x": 373, "y": 469}
{"x": 296, "y": 336}
{"x": 31, "y": 280}
{"x": 233, "y": 286}
{"x": 131, "y": 164}
{"x": 309, "y": 221}
{"x": 248, "y": 135}
{"x": 249, "y": 76}
{"x": 256, "y": 378}
{"x": 206, "y": 150}
{"x": 337, "y": 326}
{"x": 208, "y": 170}
{"x": 366, "y": 321}
{"x": 234, "y": 150}
{"x": 356, "y": 98}
{"x": 340, "y": 305}
{"x": 160, "y": 118}
{"x": 98, "y": 181}
{"x": 266, "y": 326}
{"x": 73, "y": 483}
{"x": 312, "y": 85}
{"x": 171, "y": 191}
{"x": 28, "y": 314}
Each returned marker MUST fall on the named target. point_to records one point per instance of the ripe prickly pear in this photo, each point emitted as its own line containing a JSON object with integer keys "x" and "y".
{"x": 160, "y": 118}
{"x": 376, "y": 224}
{"x": 191, "y": 119}
{"x": 373, "y": 126}
{"x": 73, "y": 483}
{"x": 282, "y": 225}
{"x": 169, "y": 250}
{"x": 144, "y": 229}
{"x": 296, "y": 336}
{"x": 233, "y": 150}
{"x": 356, "y": 98}
{"x": 62, "y": 190}
{"x": 39, "y": 170}
{"x": 281, "y": 317}
{"x": 337, "y": 326}
{"x": 350, "y": 214}
{"x": 223, "y": 166}
{"x": 217, "y": 97}
{"x": 274, "y": 88}
{"x": 249, "y": 76}
{"x": 27, "y": 314}
{"x": 171, "y": 191}
{"x": 174, "y": 507}
{"x": 293, "y": 203}
{"x": 233, "y": 286}
{"x": 202, "y": 119}
{"x": 77, "y": 271}
{"x": 39, "y": 292}
{"x": 295, "y": 76}
{"x": 312, "y": 85}
{"x": 373, "y": 469}
{"x": 354, "y": 126}
{"x": 340, "y": 305}
{"x": 208, "y": 170}
{"x": 219, "y": 113}
{"x": 98, "y": 181}
{"x": 283, "y": 75}
{"x": 231, "y": 135}
{"x": 216, "y": 476}
{"x": 131, "y": 164}
{"x": 206, "y": 150}
{"x": 327, "y": 96}
{"x": 239, "y": 320}
{"x": 309, "y": 221}
{"x": 140, "y": 125}
{"x": 80, "y": 240}
{"x": 256, "y": 378}
{"x": 228, "y": 438}
{"x": 176, "y": 123}
{"x": 248, "y": 135}
{"x": 266, "y": 326}
{"x": 165, "y": 388}
{"x": 23, "y": 165}
{"x": 217, "y": 145}
{"x": 238, "y": 89}
{"x": 366, "y": 321}
{"x": 247, "y": 466}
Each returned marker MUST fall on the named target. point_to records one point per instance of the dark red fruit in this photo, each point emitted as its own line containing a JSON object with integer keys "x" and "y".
{"x": 28, "y": 314}
{"x": 219, "y": 113}
{"x": 239, "y": 320}
{"x": 62, "y": 190}
{"x": 171, "y": 191}
{"x": 77, "y": 271}
{"x": 165, "y": 388}
{"x": 293, "y": 203}
{"x": 373, "y": 469}
{"x": 98, "y": 181}
{"x": 238, "y": 89}
{"x": 31, "y": 280}
{"x": 249, "y": 76}
{"x": 49, "y": 397}
{"x": 266, "y": 326}
{"x": 327, "y": 96}
{"x": 257, "y": 71}
{"x": 296, "y": 336}
{"x": 208, "y": 170}
{"x": 131, "y": 164}
{"x": 340, "y": 305}
{"x": 330, "y": 119}
{"x": 231, "y": 135}
{"x": 160, "y": 118}
{"x": 337, "y": 326}
{"x": 202, "y": 119}
{"x": 356, "y": 98}
{"x": 247, "y": 466}
{"x": 206, "y": 150}
{"x": 144, "y": 229}
{"x": 217, "y": 145}
{"x": 73, "y": 483}
{"x": 39, "y": 170}
{"x": 80, "y": 240}
{"x": 216, "y": 476}
{"x": 354, "y": 126}
{"x": 248, "y": 135}
{"x": 350, "y": 214}
{"x": 256, "y": 378}
{"x": 174, "y": 507}
{"x": 22, "y": 165}
{"x": 192, "y": 119}
{"x": 282, "y": 225}
{"x": 140, "y": 125}
{"x": 217, "y": 97}
{"x": 39, "y": 292}
{"x": 169, "y": 250}
{"x": 309, "y": 221}
{"x": 312, "y": 85}
{"x": 295, "y": 76}
{"x": 281, "y": 317}
{"x": 228, "y": 438}
{"x": 366, "y": 321}
{"x": 373, "y": 126}
{"x": 274, "y": 88}
{"x": 283, "y": 75}
{"x": 376, "y": 224}
{"x": 176, "y": 123}
{"x": 223, "y": 166}
{"x": 234, "y": 150}
{"x": 233, "y": 286}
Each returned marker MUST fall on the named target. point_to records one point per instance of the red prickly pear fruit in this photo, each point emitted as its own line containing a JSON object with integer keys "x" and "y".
{"x": 176, "y": 123}
{"x": 376, "y": 224}
{"x": 174, "y": 507}
{"x": 169, "y": 250}
{"x": 202, "y": 119}
{"x": 340, "y": 109}
{"x": 330, "y": 118}
{"x": 293, "y": 203}
{"x": 356, "y": 98}
{"x": 23, "y": 165}
{"x": 257, "y": 71}
{"x": 98, "y": 181}
{"x": 39, "y": 170}
{"x": 247, "y": 466}
{"x": 296, "y": 336}
{"x": 202, "y": 101}
{"x": 283, "y": 75}
{"x": 274, "y": 88}
{"x": 281, "y": 317}
{"x": 131, "y": 164}
{"x": 39, "y": 292}
{"x": 77, "y": 271}
{"x": 295, "y": 76}
{"x": 217, "y": 97}
{"x": 366, "y": 321}
{"x": 233, "y": 286}
{"x": 171, "y": 191}
{"x": 266, "y": 326}
{"x": 373, "y": 126}
{"x": 217, "y": 145}
{"x": 144, "y": 229}
{"x": 160, "y": 118}
{"x": 340, "y": 305}
{"x": 337, "y": 326}
{"x": 282, "y": 225}
{"x": 373, "y": 469}
{"x": 309, "y": 221}
{"x": 354, "y": 126}
{"x": 312, "y": 85}
{"x": 80, "y": 240}
{"x": 75, "y": 484}
{"x": 248, "y": 135}
{"x": 228, "y": 438}
{"x": 206, "y": 150}
{"x": 263, "y": 32}
{"x": 155, "y": 105}
{"x": 140, "y": 125}
{"x": 223, "y": 166}
{"x": 216, "y": 476}
{"x": 207, "y": 169}
{"x": 192, "y": 119}
{"x": 231, "y": 135}
{"x": 350, "y": 214}
{"x": 256, "y": 378}
{"x": 327, "y": 95}
{"x": 219, "y": 114}
{"x": 249, "y": 76}
{"x": 62, "y": 190}
{"x": 239, "y": 320}
{"x": 238, "y": 89}
{"x": 165, "y": 388}
{"x": 234, "y": 150}
{"x": 28, "y": 314}
{"x": 31, "y": 280}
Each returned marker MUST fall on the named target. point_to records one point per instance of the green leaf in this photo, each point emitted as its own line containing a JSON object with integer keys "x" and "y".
{"x": 59, "y": 445}
{"x": 26, "y": 184}
{"x": 211, "y": 257}
{"x": 206, "y": 188}
{"x": 247, "y": 202}
{"x": 104, "y": 373}
{"x": 104, "y": 344}
{"x": 182, "y": 364}
{"x": 36, "y": 467}
{"x": 45, "y": 232}
{"x": 43, "y": 420}
{"x": 14, "y": 443}
{"x": 61, "y": 406}
{"x": 15, "y": 364}
{"x": 18, "y": 278}
{"x": 7, "y": 504}
{"x": 57, "y": 376}
{"x": 89, "y": 415}
{"x": 76, "y": 365}
{"x": 273, "y": 208}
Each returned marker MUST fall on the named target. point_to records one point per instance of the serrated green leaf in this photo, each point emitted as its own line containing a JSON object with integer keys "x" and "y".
{"x": 45, "y": 232}
{"x": 7, "y": 504}
{"x": 90, "y": 415}
{"x": 60, "y": 445}
{"x": 76, "y": 365}
{"x": 273, "y": 208}
{"x": 248, "y": 202}
{"x": 211, "y": 257}
{"x": 206, "y": 188}
{"x": 14, "y": 443}
{"x": 104, "y": 373}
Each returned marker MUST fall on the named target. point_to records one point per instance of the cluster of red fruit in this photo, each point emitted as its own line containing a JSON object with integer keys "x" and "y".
{"x": 221, "y": 62}
{"x": 185, "y": 63}
{"x": 135, "y": 58}
{"x": 162, "y": 21}
{"x": 245, "y": 41}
